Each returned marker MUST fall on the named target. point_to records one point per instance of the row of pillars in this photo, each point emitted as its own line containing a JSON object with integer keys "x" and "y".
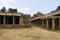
{"x": 20, "y": 21}
{"x": 4, "y": 20}
{"x": 53, "y": 23}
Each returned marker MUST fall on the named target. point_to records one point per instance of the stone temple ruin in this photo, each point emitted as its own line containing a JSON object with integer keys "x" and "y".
{"x": 48, "y": 21}
{"x": 14, "y": 19}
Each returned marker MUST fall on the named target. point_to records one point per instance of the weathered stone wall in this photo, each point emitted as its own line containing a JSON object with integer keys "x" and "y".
{"x": 24, "y": 21}
{"x": 12, "y": 26}
{"x": 27, "y": 20}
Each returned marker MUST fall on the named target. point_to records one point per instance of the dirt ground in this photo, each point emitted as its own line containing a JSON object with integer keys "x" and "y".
{"x": 34, "y": 33}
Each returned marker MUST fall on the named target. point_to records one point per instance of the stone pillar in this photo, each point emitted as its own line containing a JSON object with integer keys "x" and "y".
{"x": 53, "y": 24}
{"x": 59, "y": 23}
{"x": 42, "y": 23}
{"x": 13, "y": 20}
{"x": 4, "y": 20}
{"x": 47, "y": 23}
{"x": 21, "y": 20}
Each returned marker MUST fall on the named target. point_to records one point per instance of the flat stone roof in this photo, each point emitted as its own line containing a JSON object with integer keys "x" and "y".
{"x": 10, "y": 14}
{"x": 49, "y": 15}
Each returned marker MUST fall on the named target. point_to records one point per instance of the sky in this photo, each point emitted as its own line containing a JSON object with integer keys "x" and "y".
{"x": 31, "y": 6}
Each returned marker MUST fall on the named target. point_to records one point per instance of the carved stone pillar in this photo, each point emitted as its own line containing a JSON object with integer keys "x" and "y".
{"x": 42, "y": 23}
{"x": 53, "y": 24}
{"x": 59, "y": 23}
{"x": 13, "y": 20}
{"x": 21, "y": 20}
{"x": 47, "y": 23}
{"x": 4, "y": 20}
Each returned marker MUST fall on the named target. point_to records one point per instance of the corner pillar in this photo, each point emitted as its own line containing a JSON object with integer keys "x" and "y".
{"x": 21, "y": 20}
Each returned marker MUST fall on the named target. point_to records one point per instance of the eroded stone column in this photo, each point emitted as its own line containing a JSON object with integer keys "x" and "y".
{"x": 53, "y": 24}
{"x": 42, "y": 23}
{"x": 13, "y": 20}
{"x": 59, "y": 23}
{"x": 4, "y": 20}
{"x": 47, "y": 23}
{"x": 21, "y": 20}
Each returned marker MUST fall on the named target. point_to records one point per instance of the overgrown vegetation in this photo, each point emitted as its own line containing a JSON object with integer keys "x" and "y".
{"x": 3, "y": 9}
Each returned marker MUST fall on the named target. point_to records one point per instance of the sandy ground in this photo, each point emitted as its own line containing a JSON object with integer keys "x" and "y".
{"x": 34, "y": 33}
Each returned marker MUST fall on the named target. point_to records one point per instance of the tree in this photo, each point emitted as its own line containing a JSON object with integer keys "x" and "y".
{"x": 3, "y": 9}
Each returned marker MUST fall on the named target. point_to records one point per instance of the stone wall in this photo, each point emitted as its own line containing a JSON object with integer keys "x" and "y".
{"x": 23, "y": 21}
{"x": 27, "y": 20}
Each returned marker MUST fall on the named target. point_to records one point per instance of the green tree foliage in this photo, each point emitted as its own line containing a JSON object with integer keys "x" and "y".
{"x": 3, "y": 9}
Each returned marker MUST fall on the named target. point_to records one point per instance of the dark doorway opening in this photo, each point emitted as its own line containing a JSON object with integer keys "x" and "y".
{"x": 16, "y": 19}
{"x": 50, "y": 23}
{"x": 9, "y": 20}
{"x": 1, "y": 19}
{"x": 56, "y": 23}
